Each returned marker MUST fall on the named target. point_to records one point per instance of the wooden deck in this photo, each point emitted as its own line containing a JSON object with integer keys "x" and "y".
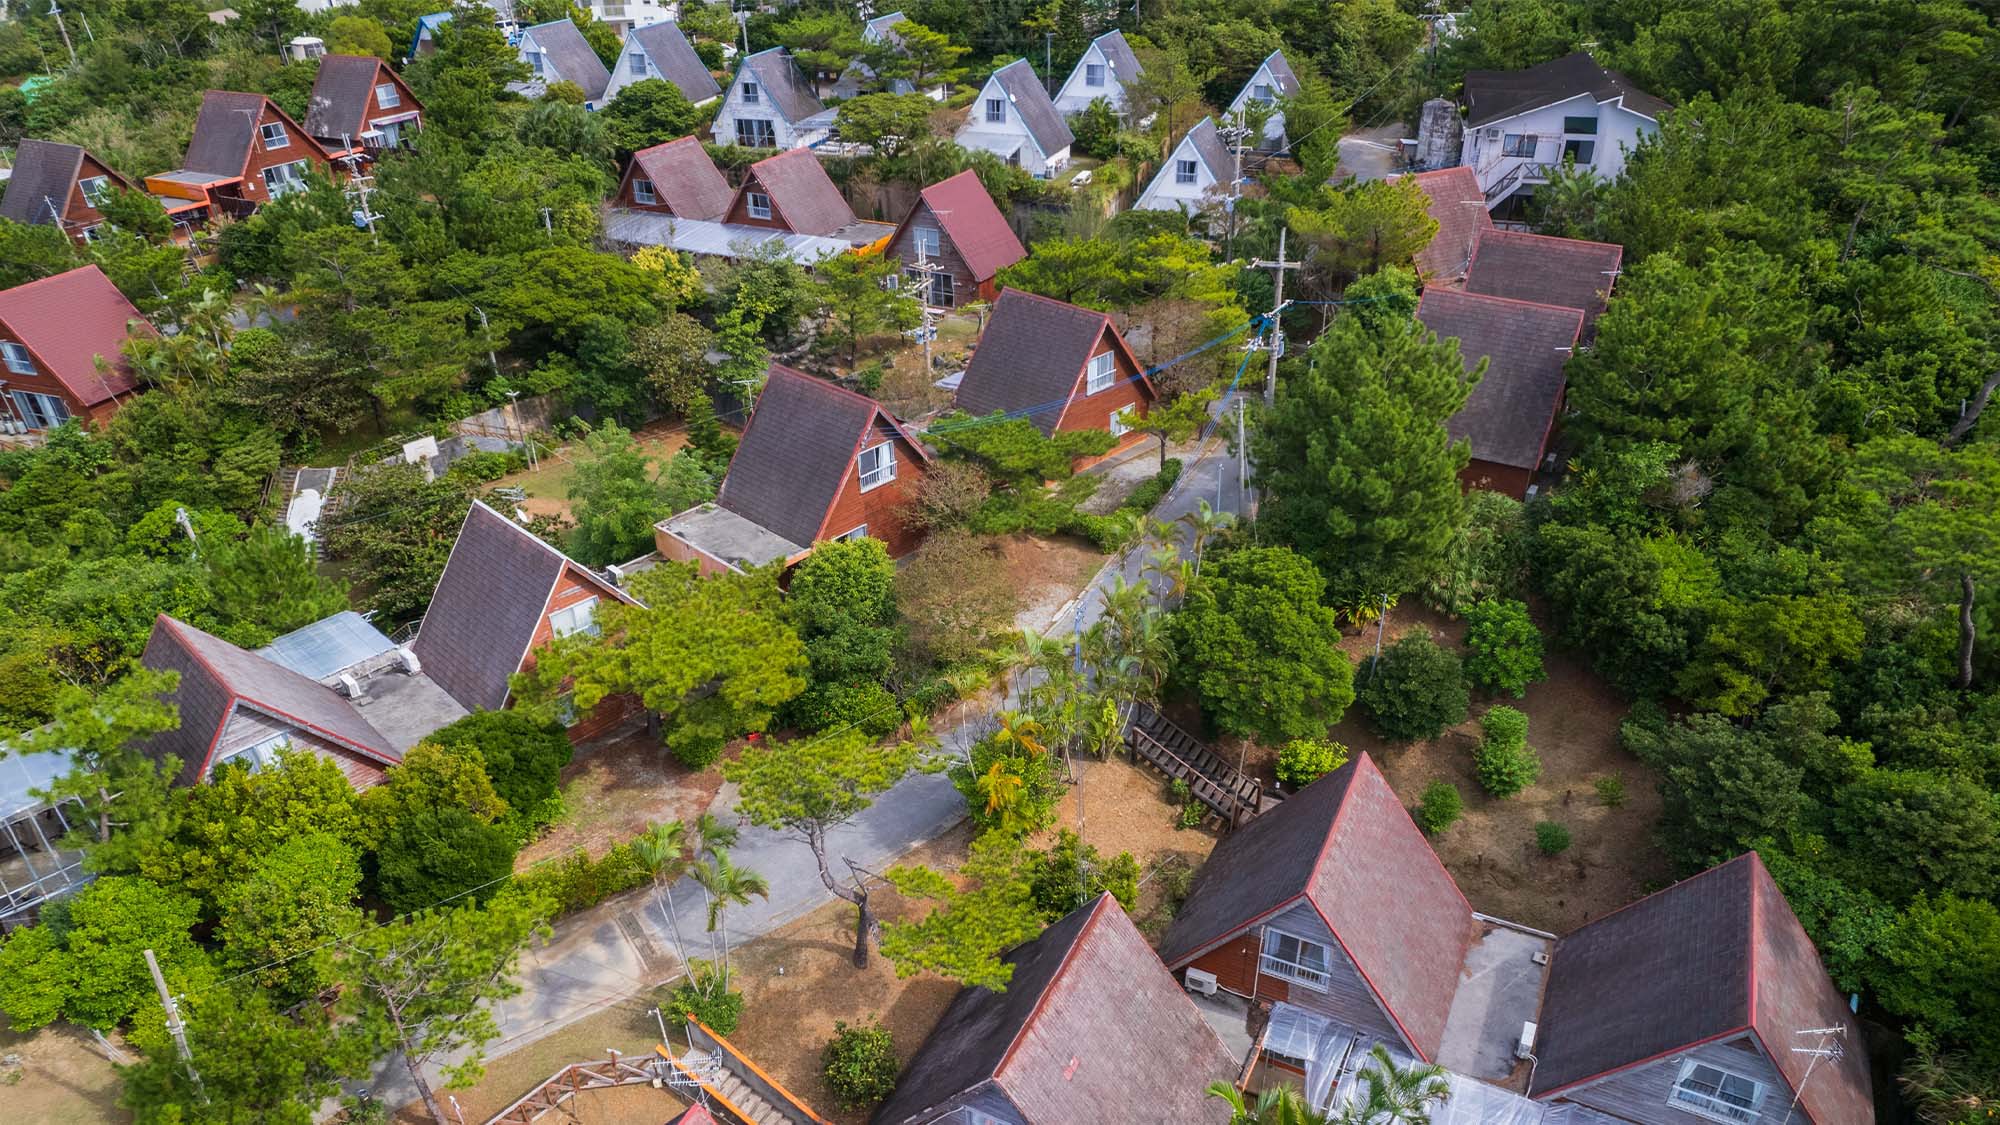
{"x": 1174, "y": 752}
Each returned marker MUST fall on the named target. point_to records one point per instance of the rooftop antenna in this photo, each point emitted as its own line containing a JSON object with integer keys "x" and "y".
{"x": 1830, "y": 1045}
{"x": 56, "y": 11}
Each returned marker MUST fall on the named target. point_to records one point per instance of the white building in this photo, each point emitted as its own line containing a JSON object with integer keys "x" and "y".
{"x": 882, "y": 30}
{"x": 659, "y": 50}
{"x": 1013, "y": 118}
{"x": 1106, "y": 67}
{"x": 1520, "y": 124}
{"x": 624, "y": 15}
{"x": 1197, "y": 175}
{"x": 1273, "y": 80}
{"x": 770, "y": 104}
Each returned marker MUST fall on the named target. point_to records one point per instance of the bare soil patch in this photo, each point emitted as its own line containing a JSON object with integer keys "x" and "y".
{"x": 798, "y": 980}
{"x": 1046, "y": 574}
{"x": 62, "y": 1076}
{"x": 1124, "y": 806}
{"x": 614, "y": 790}
{"x": 547, "y": 487}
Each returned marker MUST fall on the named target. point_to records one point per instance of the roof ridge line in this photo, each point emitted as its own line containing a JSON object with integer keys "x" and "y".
{"x": 1055, "y": 978}
{"x": 1449, "y": 291}
{"x": 1543, "y": 237}
{"x": 63, "y": 274}
{"x": 1655, "y": 894}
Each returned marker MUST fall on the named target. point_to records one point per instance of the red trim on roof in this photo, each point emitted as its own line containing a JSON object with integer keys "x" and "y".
{"x": 1595, "y": 1078}
{"x": 1055, "y": 978}
{"x": 1210, "y": 946}
{"x": 342, "y": 740}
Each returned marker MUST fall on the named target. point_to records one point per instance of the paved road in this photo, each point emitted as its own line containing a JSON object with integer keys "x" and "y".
{"x": 604, "y": 956}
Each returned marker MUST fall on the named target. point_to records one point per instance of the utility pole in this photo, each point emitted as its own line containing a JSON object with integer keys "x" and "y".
{"x": 927, "y": 331}
{"x": 1276, "y": 342}
{"x": 486, "y": 330}
{"x": 56, "y": 11}
{"x": 1233, "y": 131}
{"x": 1048, "y": 57}
{"x": 175, "y": 1027}
{"x": 548, "y": 222}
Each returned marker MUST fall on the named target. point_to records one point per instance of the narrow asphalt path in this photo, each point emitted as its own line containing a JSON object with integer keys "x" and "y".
{"x": 608, "y": 955}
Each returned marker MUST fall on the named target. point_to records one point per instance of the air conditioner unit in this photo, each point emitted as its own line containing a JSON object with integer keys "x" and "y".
{"x": 1526, "y": 1047}
{"x": 1492, "y": 134}
{"x": 349, "y": 686}
{"x": 1200, "y": 981}
{"x": 409, "y": 661}
{"x": 1540, "y": 958}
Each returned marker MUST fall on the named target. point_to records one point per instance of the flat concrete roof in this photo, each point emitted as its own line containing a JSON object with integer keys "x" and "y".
{"x": 1499, "y": 989}
{"x": 183, "y": 176}
{"x": 723, "y": 535}
{"x": 405, "y": 708}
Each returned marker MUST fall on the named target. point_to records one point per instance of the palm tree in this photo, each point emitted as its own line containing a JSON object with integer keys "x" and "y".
{"x": 1019, "y": 730}
{"x": 1002, "y": 790}
{"x": 1283, "y": 1105}
{"x": 727, "y": 885}
{"x": 660, "y": 849}
{"x": 1204, "y": 524}
{"x": 712, "y": 834}
{"x": 1397, "y": 1095}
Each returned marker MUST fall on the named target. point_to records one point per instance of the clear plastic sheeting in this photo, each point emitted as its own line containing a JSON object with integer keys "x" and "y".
{"x": 1335, "y": 1055}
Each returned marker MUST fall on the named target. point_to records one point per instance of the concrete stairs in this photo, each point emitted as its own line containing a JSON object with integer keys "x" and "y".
{"x": 750, "y": 1107}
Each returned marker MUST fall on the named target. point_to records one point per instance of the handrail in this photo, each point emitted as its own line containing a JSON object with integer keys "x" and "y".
{"x": 1236, "y": 803}
{"x": 791, "y": 1101}
{"x": 1222, "y": 776}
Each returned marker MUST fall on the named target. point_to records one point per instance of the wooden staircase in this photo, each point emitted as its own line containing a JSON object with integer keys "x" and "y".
{"x": 1174, "y": 752}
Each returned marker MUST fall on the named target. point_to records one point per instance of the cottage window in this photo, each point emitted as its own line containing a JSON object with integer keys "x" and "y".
{"x": 877, "y": 464}
{"x": 642, "y": 192}
{"x": 579, "y": 618}
{"x": 1584, "y": 125}
{"x": 927, "y": 241}
{"x": 749, "y": 93}
{"x": 758, "y": 204}
{"x": 95, "y": 231}
{"x": 1518, "y": 144}
{"x": 756, "y": 132}
{"x": 638, "y": 64}
{"x": 1103, "y": 372}
{"x": 1579, "y": 152}
{"x": 260, "y": 756}
{"x": 534, "y": 61}
{"x": 1714, "y": 1093}
{"x": 933, "y": 287}
{"x": 1295, "y": 959}
{"x": 96, "y": 189}
{"x": 1183, "y": 171}
{"x": 1263, "y": 94}
{"x": 1093, "y": 74}
{"x": 40, "y": 412}
{"x": 996, "y": 111}
{"x": 1118, "y": 425}
{"x": 274, "y": 136}
{"x": 386, "y": 96}
{"x": 18, "y": 359}
{"x": 858, "y": 533}
{"x": 283, "y": 179}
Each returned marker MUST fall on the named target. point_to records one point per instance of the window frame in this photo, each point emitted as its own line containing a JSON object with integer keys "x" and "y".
{"x": 1099, "y": 377}
{"x": 884, "y": 471}
{"x": 18, "y": 358}
{"x": 562, "y": 622}
{"x": 1093, "y": 75}
{"x": 292, "y": 178}
{"x": 1715, "y": 1106}
{"x": 1582, "y": 152}
{"x": 1270, "y": 950}
{"x": 996, "y": 111}
{"x": 756, "y": 132}
{"x": 1569, "y": 126}
{"x": 930, "y": 241}
{"x": 860, "y": 532}
{"x": 259, "y": 756}
{"x": 284, "y": 136}
{"x": 387, "y": 96}
{"x": 1117, "y": 428}
{"x": 534, "y": 62}
{"x": 95, "y": 189}
{"x": 1519, "y": 144}
{"x": 1187, "y": 172}
{"x": 1264, "y": 93}
{"x": 751, "y": 94}
{"x": 40, "y": 411}
{"x": 636, "y": 68}
{"x": 756, "y": 209}
{"x": 642, "y": 191}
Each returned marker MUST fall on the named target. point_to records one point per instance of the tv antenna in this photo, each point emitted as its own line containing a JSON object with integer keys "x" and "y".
{"x": 1831, "y": 1046}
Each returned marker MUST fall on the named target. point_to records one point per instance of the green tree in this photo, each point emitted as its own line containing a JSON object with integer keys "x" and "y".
{"x": 713, "y": 657}
{"x": 256, "y": 1064}
{"x": 1258, "y": 649}
{"x": 1503, "y": 647}
{"x": 1303, "y": 761}
{"x": 989, "y": 909}
{"x": 1439, "y": 808}
{"x": 1505, "y": 762}
{"x": 123, "y": 792}
{"x": 434, "y": 856}
{"x": 843, "y": 601}
{"x": 859, "y": 1064}
{"x": 1723, "y": 786}
{"x": 1070, "y": 875}
{"x": 394, "y": 531}
{"x": 293, "y": 901}
{"x": 269, "y": 582}
{"x": 859, "y": 301}
{"x": 1414, "y": 690}
{"x": 1357, "y": 230}
{"x": 1178, "y": 420}
{"x": 1358, "y": 472}
{"x": 522, "y": 756}
{"x": 824, "y": 43}
{"x": 810, "y": 787}
{"x": 228, "y": 826}
{"x": 1943, "y": 830}
{"x": 649, "y": 112}
{"x": 1937, "y": 973}
{"x": 615, "y": 500}
{"x": 924, "y": 57}
{"x": 357, "y": 35}
{"x": 85, "y": 961}
{"x": 672, "y": 358}
{"x": 1397, "y": 1094}
{"x": 726, "y": 885}
{"x": 891, "y": 124}
{"x": 423, "y": 985}
{"x": 1280, "y": 1105}
{"x": 1776, "y": 644}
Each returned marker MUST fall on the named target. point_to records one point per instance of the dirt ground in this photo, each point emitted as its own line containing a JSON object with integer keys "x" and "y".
{"x": 1046, "y": 574}
{"x": 548, "y": 486}
{"x": 56, "y": 1074}
{"x": 907, "y": 388}
{"x": 1573, "y": 724}
{"x": 797, "y": 981}
{"x": 1126, "y": 808}
{"x": 613, "y": 791}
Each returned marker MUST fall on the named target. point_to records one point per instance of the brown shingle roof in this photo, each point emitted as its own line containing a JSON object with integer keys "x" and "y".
{"x": 1090, "y": 1028}
{"x": 685, "y": 179}
{"x": 1028, "y": 362}
{"x": 1460, "y": 210}
{"x": 1493, "y": 94}
{"x": 1713, "y": 955}
{"x": 802, "y": 194}
{"x": 789, "y": 91}
{"x": 226, "y": 127}
{"x": 339, "y": 106}
{"x": 571, "y": 56}
{"x": 974, "y": 224}
{"x": 216, "y": 677}
{"x": 669, "y": 51}
{"x": 488, "y": 603}
{"x": 797, "y": 449}
{"x": 70, "y": 321}
{"x": 43, "y": 171}
{"x": 1345, "y": 844}
{"x": 1548, "y": 271}
{"x": 1508, "y": 415}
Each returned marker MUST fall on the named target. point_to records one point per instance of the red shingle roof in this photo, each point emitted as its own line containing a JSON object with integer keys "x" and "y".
{"x": 1346, "y": 845}
{"x": 1508, "y": 415}
{"x": 684, "y": 179}
{"x": 974, "y": 224}
{"x": 70, "y": 320}
{"x": 1460, "y": 210}
{"x": 803, "y": 197}
{"x": 1028, "y": 362}
{"x": 1548, "y": 271}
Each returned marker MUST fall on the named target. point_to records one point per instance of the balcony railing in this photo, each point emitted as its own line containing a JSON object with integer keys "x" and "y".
{"x": 1315, "y": 979}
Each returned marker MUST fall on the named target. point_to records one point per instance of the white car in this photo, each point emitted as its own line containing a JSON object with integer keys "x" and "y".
{"x": 1080, "y": 179}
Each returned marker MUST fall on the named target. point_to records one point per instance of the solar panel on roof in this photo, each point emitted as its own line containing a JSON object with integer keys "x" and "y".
{"x": 329, "y": 645}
